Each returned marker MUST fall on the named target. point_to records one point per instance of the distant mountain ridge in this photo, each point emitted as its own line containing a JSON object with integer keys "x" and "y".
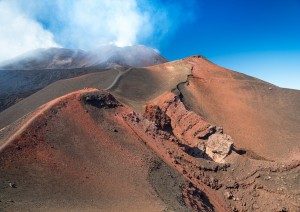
{"x": 105, "y": 56}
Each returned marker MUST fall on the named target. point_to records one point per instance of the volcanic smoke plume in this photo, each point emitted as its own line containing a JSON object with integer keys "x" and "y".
{"x": 86, "y": 24}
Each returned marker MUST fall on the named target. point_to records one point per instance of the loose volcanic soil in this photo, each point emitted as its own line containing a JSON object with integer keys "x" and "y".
{"x": 262, "y": 118}
{"x": 181, "y": 136}
{"x": 137, "y": 86}
{"x": 76, "y": 154}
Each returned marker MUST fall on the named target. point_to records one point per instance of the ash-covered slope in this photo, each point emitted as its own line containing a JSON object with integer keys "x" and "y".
{"x": 51, "y": 58}
{"x": 16, "y": 85}
{"x": 106, "y": 56}
{"x": 30, "y": 72}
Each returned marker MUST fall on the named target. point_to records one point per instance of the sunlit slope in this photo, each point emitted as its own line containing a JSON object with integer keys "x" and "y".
{"x": 259, "y": 116}
{"x": 77, "y": 153}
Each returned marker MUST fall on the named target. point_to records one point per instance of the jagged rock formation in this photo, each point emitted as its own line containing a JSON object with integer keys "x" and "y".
{"x": 100, "y": 100}
{"x": 189, "y": 128}
{"x": 154, "y": 114}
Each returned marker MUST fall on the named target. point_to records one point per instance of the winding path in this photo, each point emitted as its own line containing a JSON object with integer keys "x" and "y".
{"x": 121, "y": 73}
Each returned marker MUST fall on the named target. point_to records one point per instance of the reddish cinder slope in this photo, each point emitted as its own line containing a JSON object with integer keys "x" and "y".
{"x": 261, "y": 117}
{"x": 224, "y": 178}
{"x": 78, "y": 153}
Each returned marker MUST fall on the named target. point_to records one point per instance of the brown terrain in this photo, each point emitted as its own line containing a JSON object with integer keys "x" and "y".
{"x": 34, "y": 70}
{"x": 181, "y": 136}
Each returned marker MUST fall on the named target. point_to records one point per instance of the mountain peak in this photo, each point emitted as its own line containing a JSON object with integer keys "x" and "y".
{"x": 105, "y": 56}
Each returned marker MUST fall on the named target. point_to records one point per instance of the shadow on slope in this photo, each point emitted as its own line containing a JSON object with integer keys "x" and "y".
{"x": 98, "y": 80}
{"x": 16, "y": 85}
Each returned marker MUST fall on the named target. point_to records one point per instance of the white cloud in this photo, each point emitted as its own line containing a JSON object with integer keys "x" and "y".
{"x": 19, "y": 33}
{"x": 90, "y": 23}
{"x": 86, "y": 24}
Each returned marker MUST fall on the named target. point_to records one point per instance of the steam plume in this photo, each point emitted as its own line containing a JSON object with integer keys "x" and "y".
{"x": 86, "y": 24}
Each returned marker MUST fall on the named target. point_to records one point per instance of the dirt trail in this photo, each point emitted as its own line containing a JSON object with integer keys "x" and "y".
{"x": 121, "y": 73}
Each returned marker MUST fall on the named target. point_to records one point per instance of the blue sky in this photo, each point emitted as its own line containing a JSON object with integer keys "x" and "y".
{"x": 260, "y": 38}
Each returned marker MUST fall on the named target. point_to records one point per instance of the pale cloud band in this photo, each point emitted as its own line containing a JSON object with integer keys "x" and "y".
{"x": 19, "y": 33}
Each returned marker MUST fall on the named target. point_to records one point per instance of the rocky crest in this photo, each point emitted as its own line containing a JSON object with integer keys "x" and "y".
{"x": 100, "y": 99}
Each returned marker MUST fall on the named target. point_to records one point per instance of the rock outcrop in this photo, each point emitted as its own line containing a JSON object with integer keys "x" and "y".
{"x": 154, "y": 113}
{"x": 231, "y": 179}
{"x": 200, "y": 137}
{"x": 100, "y": 100}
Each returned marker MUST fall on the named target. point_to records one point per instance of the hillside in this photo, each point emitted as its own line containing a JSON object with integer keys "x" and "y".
{"x": 24, "y": 75}
{"x": 179, "y": 136}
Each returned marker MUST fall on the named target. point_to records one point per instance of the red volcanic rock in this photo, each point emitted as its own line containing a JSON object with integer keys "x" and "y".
{"x": 154, "y": 113}
{"x": 68, "y": 151}
{"x": 89, "y": 140}
{"x": 240, "y": 180}
{"x": 187, "y": 125}
{"x": 200, "y": 137}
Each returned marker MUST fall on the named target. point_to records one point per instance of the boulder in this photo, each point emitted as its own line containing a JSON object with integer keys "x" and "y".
{"x": 219, "y": 146}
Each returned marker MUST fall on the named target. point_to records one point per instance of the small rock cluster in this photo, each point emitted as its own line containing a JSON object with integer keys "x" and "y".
{"x": 100, "y": 99}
